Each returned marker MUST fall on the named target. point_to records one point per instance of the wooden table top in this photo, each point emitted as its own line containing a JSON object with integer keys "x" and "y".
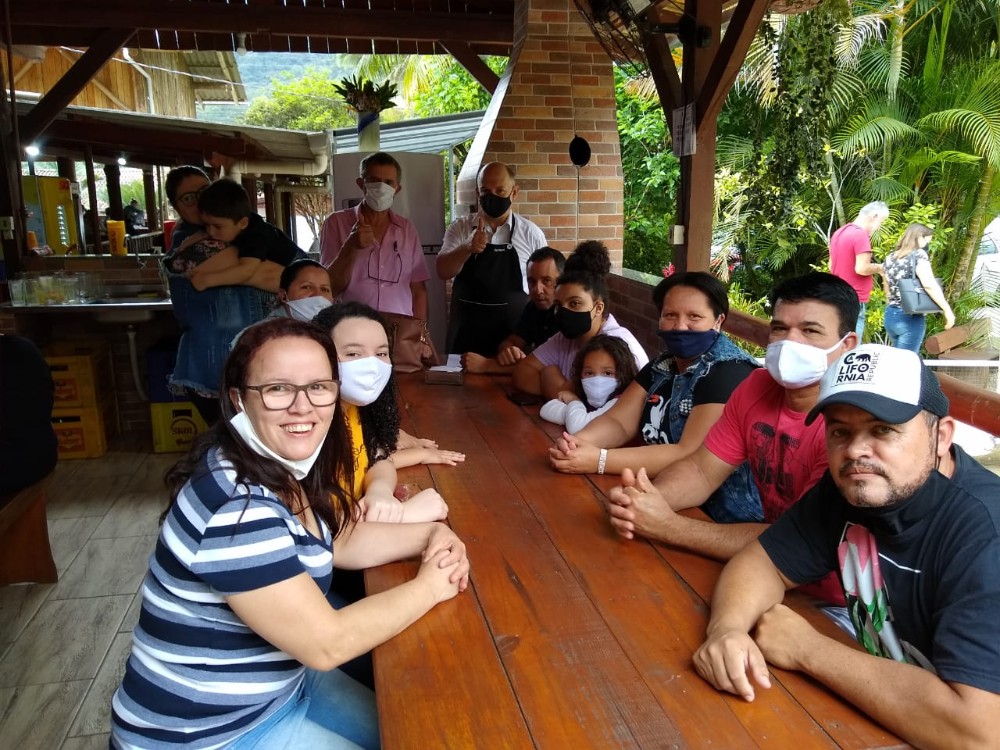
{"x": 568, "y": 637}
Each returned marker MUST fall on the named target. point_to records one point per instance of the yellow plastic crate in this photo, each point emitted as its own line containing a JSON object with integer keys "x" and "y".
{"x": 175, "y": 425}
{"x": 82, "y": 372}
{"x": 83, "y": 432}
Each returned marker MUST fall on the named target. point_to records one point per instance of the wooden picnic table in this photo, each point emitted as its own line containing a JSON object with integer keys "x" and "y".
{"x": 568, "y": 637}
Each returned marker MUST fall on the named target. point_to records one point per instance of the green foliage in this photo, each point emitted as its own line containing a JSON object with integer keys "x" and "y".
{"x": 452, "y": 88}
{"x": 651, "y": 176}
{"x": 366, "y": 95}
{"x": 308, "y": 102}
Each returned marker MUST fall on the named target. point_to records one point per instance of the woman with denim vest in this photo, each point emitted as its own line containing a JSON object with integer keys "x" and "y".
{"x": 675, "y": 399}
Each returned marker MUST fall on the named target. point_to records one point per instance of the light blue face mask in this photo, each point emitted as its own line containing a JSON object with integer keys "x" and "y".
{"x": 598, "y": 389}
{"x": 244, "y": 428}
{"x": 306, "y": 308}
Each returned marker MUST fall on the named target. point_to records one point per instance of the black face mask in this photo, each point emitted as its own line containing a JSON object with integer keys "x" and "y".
{"x": 572, "y": 324}
{"x": 495, "y": 206}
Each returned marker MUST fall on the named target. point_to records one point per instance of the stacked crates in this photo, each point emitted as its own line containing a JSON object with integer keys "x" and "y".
{"x": 175, "y": 422}
{"x": 85, "y": 411}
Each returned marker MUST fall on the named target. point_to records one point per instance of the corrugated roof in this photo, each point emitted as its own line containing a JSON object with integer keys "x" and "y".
{"x": 431, "y": 135}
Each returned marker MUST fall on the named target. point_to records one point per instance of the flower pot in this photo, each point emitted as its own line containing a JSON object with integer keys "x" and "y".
{"x": 368, "y": 134}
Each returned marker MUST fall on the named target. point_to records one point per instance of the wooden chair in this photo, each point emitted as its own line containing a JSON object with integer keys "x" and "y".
{"x": 25, "y": 554}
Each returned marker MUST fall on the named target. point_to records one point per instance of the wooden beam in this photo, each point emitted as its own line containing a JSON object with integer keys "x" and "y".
{"x": 473, "y": 63}
{"x": 276, "y": 19}
{"x": 732, "y": 52}
{"x": 124, "y": 137}
{"x": 72, "y": 82}
{"x": 664, "y": 71}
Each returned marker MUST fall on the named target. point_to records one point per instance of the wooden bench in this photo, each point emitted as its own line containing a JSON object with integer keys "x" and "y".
{"x": 962, "y": 342}
{"x": 25, "y": 554}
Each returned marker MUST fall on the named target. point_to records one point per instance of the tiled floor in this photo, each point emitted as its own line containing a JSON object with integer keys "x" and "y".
{"x": 64, "y": 646}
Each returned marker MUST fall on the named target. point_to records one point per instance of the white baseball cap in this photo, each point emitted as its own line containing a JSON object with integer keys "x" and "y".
{"x": 893, "y": 385}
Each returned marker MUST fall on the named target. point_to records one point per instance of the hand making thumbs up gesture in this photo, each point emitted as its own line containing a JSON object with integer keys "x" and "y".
{"x": 361, "y": 235}
{"x": 479, "y": 238}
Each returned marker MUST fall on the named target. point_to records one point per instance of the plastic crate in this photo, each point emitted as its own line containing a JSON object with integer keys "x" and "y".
{"x": 175, "y": 426}
{"x": 82, "y": 372}
{"x": 83, "y": 432}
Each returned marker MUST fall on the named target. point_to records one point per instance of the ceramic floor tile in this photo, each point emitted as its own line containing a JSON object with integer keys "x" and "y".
{"x": 18, "y": 604}
{"x": 90, "y": 742}
{"x": 133, "y": 514}
{"x": 105, "y": 567}
{"x": 132, "y": 616}
{"x": 67, "y": 537}
{"x": 84, "y": 496}
{"x": 66, "y": 640}
{"x": 37, "y": 716}
{"x": 94, "y": 716}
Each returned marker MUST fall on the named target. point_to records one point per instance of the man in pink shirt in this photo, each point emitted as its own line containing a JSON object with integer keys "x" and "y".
{"x": 851, "y": 254}
{"x": 373, "y": 254}
{"x": 763, "y": 423}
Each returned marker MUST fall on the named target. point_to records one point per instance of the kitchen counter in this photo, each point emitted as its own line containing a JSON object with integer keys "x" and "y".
{"x": 154, "y": 304}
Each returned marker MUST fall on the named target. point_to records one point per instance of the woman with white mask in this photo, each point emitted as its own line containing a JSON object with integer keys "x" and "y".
{"x": 371, "y": 407}
{"x": 236, "y": 644}
{"x": 303, "y": 290}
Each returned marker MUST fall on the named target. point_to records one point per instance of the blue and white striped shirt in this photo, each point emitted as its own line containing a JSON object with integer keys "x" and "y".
{"x": 197, "y": 675}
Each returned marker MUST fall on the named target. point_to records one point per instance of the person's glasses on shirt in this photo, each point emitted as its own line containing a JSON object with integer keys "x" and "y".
{"x": 279, "y": 396}
{"x": 190, "y": 198}
{"x": 395, "y": 270}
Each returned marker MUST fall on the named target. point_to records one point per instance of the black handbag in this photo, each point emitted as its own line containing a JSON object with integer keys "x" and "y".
{"x": 913, "y": 298}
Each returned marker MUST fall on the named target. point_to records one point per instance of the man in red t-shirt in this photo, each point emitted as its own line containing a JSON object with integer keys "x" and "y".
{"x": 851, "y": 254}
{"x": 763, "y": 423}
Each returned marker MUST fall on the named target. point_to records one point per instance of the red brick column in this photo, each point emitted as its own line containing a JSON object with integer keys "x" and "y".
{"x": 558, "y": 84}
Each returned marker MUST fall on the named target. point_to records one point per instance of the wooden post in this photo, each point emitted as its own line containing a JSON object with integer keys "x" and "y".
{"x": 95, "y": 219}
{"x": 149, "y": 195}
{"x": 288, "y": 214}
{"x": 116, "y": 210}
{"x": 269, "y": 207}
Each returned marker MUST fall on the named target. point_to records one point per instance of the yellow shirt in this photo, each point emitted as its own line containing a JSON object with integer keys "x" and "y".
{"x": 357, "y": 449}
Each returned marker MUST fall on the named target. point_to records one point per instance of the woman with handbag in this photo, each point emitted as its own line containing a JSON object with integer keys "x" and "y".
{"x": 912, "y": 292}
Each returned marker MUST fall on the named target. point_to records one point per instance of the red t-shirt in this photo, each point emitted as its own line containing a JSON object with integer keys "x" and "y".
{"x": 846, "y": 245}
{"x": 786, "y": 456}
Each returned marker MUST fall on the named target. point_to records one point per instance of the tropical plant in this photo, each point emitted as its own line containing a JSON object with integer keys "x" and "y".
{"x": 366, "y": 96}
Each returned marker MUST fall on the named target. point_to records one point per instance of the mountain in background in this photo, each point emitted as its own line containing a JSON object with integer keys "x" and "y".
{"x": 258, "y": 69}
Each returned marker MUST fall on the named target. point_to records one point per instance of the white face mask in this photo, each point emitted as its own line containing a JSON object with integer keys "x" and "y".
{"x": 378, "y": 196}
{"x": 598, "y": 389}
{"x": 244, "y": 428}
{"x": 796, "y": 365}
{"x": 363, "y": 380}
{"x": 306, "y": 308}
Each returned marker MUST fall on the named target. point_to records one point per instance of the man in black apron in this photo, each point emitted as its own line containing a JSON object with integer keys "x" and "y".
{"x": 488, "y": 293}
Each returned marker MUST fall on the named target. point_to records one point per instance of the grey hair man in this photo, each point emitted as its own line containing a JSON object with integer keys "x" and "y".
{"x": 851, "y": 254}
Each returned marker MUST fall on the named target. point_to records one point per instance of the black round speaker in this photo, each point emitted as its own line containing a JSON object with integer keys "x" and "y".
{"x": 579, "y": 151}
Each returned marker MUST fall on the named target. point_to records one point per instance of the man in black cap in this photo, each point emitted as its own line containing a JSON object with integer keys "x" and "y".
{"x": 912, "y": 525}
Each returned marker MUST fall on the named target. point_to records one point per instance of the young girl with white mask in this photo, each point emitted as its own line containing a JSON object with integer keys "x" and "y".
{"x": 602, "y": 369}
{"x": 371, "y": 407}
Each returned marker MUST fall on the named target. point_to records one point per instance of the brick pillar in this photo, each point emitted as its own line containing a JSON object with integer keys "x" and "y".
{"x": 558, "y": 83}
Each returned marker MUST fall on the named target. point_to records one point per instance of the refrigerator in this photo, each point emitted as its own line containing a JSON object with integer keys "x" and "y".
{"x": 422, "y": 201}
{"x": 51, "y": 204}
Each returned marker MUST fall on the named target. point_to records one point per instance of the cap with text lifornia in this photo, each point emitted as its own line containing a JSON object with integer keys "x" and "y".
{"x": 893, "y": 385}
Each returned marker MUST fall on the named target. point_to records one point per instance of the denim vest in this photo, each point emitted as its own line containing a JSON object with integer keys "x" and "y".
{"x": 737, "y": 499}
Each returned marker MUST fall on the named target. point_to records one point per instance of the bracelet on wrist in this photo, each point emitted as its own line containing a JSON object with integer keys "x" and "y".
{"x": 602, "y": 460}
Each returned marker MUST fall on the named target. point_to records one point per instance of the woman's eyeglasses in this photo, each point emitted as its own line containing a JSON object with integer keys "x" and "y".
{"x": 279, "y": 396}
{"x": 189, "y": 199}
{"x": 396, "y": 267}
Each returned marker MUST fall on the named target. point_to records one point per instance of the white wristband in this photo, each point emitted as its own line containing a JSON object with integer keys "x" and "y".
{"x": 602, "y": 460}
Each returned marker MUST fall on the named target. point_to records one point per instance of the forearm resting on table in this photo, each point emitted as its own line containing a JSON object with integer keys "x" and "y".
{"x": 748, "y": 586}
{"x": 913, "y": 702}
{"x": 654, "y": 458}
{"x": 295, "y": 616}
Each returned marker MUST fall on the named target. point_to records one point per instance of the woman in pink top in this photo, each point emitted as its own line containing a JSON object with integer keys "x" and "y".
{"x": 581, "y": 312}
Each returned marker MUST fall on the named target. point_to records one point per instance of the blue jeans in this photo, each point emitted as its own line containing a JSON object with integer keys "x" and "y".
{"x": 905, "y": 331}
{"x": 859, "y": 327}
{"x": 331, "y": 710}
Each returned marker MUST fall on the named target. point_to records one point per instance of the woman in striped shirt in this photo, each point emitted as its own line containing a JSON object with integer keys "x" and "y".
{"x": 236, "y": 644}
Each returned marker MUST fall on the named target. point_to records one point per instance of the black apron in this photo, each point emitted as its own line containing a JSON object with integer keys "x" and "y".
{"x": 487, "y": 298}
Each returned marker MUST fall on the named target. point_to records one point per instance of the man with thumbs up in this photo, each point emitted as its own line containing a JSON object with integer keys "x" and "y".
{"x": 486, "y": 253}
{"x": 373, "y": 254}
